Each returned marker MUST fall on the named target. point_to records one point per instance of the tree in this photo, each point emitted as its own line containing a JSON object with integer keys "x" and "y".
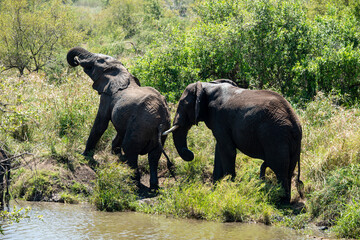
{"x": 31, "y": 31}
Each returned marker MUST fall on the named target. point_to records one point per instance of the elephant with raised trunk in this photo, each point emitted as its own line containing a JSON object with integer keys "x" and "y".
{"x": 260, "y": 123}
{"x": 139, "y": 114}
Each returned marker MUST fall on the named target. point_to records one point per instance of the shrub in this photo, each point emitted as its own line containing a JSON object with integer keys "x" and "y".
{"x": 348, "y": 223}
{"x": 16, "y": 120}
{"x": 340, "y": 187}
{"x": 37, "y": 186}
{"x": 330, "y": 138}
{"x": 114, "y": 188}
{"x": 31, "y": 31}
{"x": 66, "y": 197}
{"x": 79, "y": 188}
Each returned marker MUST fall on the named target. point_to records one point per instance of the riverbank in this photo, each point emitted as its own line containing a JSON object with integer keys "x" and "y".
{"x": 53, "y": 123}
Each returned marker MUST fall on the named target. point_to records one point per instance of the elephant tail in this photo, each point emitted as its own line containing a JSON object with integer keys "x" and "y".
{"x": 169, "y": 164}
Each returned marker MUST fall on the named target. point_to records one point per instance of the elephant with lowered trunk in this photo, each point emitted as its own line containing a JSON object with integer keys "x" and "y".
{"x": 139, "y": 114}
{"x": 259, "y": 123}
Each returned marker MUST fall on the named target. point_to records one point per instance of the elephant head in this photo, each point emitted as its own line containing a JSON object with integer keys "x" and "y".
{"x": 188, "y": 113}
{"x": 191, "y": 109}
{"x": 108, "y": 74}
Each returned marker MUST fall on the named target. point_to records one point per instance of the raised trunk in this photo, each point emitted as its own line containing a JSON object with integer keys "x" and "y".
{"x": 79, "y": 52}
{"x": 179, "y": 136}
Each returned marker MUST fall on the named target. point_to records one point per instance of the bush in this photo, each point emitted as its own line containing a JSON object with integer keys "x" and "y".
{"x": 114, "y": 188}
{"x": 340, "y": 187}
{"x": 68, "y": 198}
{"x": 37, "y": 186}
{"x": 348, "y": 224}
{"x": 32, "y": 31}
{"x": 330, "y": 138}
{"x": 16, "y": 121}
{"x": 265, "y": 44}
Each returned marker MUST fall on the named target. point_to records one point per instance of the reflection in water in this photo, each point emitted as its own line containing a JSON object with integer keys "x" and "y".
{"x": 61, "y": 221}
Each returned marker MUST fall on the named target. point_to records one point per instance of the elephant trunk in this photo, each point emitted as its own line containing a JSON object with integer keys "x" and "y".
{"x": 179, "y": 136}
{"x": 79, "y": 52}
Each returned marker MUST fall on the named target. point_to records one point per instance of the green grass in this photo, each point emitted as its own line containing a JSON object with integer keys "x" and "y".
{"x": 336, "y": 197}
{"x": 226, "y": 202}
{"x": 36, "y": 186}
{"x": 348, "y": 223}
{"x": 58, "y": 119}
{"x": 115, "y": 190}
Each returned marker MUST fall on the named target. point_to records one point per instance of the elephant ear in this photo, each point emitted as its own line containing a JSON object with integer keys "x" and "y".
{"x": 112, "y": 82}
{"x": 199, "y": 93}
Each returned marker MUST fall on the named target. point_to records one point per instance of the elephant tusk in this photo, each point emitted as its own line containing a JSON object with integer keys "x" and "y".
{"x": 77, "y": 60}
{"x": 170, "y": 130}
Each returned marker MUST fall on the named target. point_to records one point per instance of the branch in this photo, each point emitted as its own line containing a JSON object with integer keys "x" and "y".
{"x": 16, "y": 156}
{"x": 133, "y": 44}
{"x": 4, "y": 105}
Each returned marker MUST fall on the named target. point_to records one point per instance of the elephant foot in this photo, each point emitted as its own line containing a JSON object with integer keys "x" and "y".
{"x": 285, "y": 200}
{"x": 154, "y": 187}
{"x": 122, "y": 158}
{"x": 117, "y": 151}
{"x": 88, "y": 154}
{"x": 93, "y": 164}
{"x": 153, "y": 191}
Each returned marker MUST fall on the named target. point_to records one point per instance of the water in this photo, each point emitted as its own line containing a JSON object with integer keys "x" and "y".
{"x": 62, "y": 221}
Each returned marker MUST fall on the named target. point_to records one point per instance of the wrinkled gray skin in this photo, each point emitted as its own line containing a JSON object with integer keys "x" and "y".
{"x": 139, "y": 114}
{"x": 260, "y": 123}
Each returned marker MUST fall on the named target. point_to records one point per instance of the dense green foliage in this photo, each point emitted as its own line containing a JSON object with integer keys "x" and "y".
{"x": 32, "y": 32}
{"x": 297, "y": 47}
{"x": 260, "y": 44}
{"x": 307, "y": 50}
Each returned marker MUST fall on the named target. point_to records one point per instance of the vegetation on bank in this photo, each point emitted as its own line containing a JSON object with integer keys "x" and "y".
{"x": 308, "y": 50}
{"x": 330, "y": 164}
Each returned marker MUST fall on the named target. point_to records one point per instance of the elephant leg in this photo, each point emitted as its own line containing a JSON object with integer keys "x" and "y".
{"x": 262, "y": 171}
{"x": 218, "y": 170}
{"x": 131, "y": 146}
{"x": 132, "y": 162}
{"x": 225, "y": 155}
{"x": 286, "y": 184}
{"x": 116, "y": 145}
{"x": 100, "y": 125}
{"x": 278, "y": 159}
{"x": 153, "y": 158}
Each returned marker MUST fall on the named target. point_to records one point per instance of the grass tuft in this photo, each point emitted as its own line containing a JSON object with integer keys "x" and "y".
{"x": 114, "y": 189}
{"x": 348, "y": 223}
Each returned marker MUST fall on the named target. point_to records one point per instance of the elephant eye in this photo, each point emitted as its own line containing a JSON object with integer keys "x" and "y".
{"x": 100, "y": 60}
